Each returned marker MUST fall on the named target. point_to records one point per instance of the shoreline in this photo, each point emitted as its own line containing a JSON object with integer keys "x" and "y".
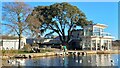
{"x": 53, "y": 54}
{"x": 33, "y": 55}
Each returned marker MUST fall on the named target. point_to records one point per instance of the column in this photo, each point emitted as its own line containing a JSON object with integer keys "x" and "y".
{"x": 108, "y": 45}
{"x": 84, "y": 32}
{"x": 83, "y": 45}
{"x": 101, "y": 43}
{"x": 96, "y": 45}
{"x": 91, "y": 45}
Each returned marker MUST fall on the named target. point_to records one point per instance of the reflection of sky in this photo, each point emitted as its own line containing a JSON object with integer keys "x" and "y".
{"x": 90, "y": 60}
{"x": 116, "y": 59}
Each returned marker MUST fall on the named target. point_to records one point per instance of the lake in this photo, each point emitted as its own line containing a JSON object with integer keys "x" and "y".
{"x": 88, "y": 60}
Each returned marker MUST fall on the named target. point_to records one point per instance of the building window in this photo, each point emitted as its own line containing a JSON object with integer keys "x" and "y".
{"x": 88, "y": 32}
{"x": 93, "y": 43}
{"x": 105, "y": 42}
{"x": 98, "y": 31}
{"x": 1, "y": 43}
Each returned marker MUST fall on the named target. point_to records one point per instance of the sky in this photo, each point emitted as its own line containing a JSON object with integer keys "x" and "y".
{"x": 98, "y": 12}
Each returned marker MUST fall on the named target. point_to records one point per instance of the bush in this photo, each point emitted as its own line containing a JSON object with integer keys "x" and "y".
{"x": 8, "y": 52}
{"x": 3, "y": 52}
{"x": 21, "y": 52}
{"x": 27, "y": 48}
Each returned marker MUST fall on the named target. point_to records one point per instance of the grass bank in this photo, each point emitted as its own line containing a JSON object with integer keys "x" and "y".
{"x": 15, "y": 52}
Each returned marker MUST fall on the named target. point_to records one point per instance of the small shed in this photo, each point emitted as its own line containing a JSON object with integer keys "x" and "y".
{"x": 11, "y": 42}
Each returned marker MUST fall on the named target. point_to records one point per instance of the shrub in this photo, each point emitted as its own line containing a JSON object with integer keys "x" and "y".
{"x": 3, "y": 52}
{"x": 27, "y": 48}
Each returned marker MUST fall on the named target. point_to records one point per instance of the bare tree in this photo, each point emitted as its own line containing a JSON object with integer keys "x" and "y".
{"x": 13, "y": 18}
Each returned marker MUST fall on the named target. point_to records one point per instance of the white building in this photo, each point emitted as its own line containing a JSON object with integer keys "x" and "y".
{"x": 10, "y": 42}
{"x": 93, "y": 37}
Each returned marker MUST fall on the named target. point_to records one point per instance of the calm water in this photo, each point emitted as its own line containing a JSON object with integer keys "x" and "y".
{"x": 89, "y": 60}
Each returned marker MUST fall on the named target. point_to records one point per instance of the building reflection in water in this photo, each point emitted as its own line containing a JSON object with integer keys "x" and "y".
{"x": 103, "y": 60}
{"x": 16, "y": 62}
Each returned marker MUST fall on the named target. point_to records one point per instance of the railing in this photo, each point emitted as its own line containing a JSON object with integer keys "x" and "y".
{"x": 94, "y": 34}
{"x": 106, "y": 34}
{"x": 101, "y": 34}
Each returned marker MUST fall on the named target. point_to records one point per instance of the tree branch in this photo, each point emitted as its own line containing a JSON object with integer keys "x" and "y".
{"x": 11, "y": 27}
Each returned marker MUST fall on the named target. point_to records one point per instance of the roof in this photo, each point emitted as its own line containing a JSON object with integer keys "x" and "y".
{"x": 9, "y": 37}
{"x": 100, "y": 25}
{"x": 78, "y": 30}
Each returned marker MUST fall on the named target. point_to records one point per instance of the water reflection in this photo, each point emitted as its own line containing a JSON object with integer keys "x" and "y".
{"x": 16, "y": 62}
{"x": 89, "y": 60}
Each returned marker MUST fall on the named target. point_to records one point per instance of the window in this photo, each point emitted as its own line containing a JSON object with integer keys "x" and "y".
{"x": 0, "y": 43}
{"x": 88, "y": 32}
{"x": 97, "y": 31}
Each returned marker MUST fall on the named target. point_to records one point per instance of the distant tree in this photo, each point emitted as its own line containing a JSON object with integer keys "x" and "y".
{"x": 57, "y": 18}
{"x": 116, "y": 43}
{"x": 13, "y": 18}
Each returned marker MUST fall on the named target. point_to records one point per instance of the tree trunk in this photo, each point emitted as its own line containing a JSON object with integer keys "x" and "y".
{"x": 19, "y": 42}
{"x": 65, "y": 43}
{"x": 20, "y": 30}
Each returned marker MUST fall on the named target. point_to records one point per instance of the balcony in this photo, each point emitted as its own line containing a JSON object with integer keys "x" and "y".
{"x": 101, "y": 34}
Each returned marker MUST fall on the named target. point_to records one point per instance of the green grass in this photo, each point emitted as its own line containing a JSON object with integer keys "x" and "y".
{"x": 22, "y": 52}
{"x": 45, "y": 50}
{"x": 13, "y": 52}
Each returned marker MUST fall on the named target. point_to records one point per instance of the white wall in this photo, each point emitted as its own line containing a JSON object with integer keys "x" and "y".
{"x": 10, "y": 44}
{"x": 47, "y": 40}
{"x": 23, "y": 40}
{"x": 0, "y": 47}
